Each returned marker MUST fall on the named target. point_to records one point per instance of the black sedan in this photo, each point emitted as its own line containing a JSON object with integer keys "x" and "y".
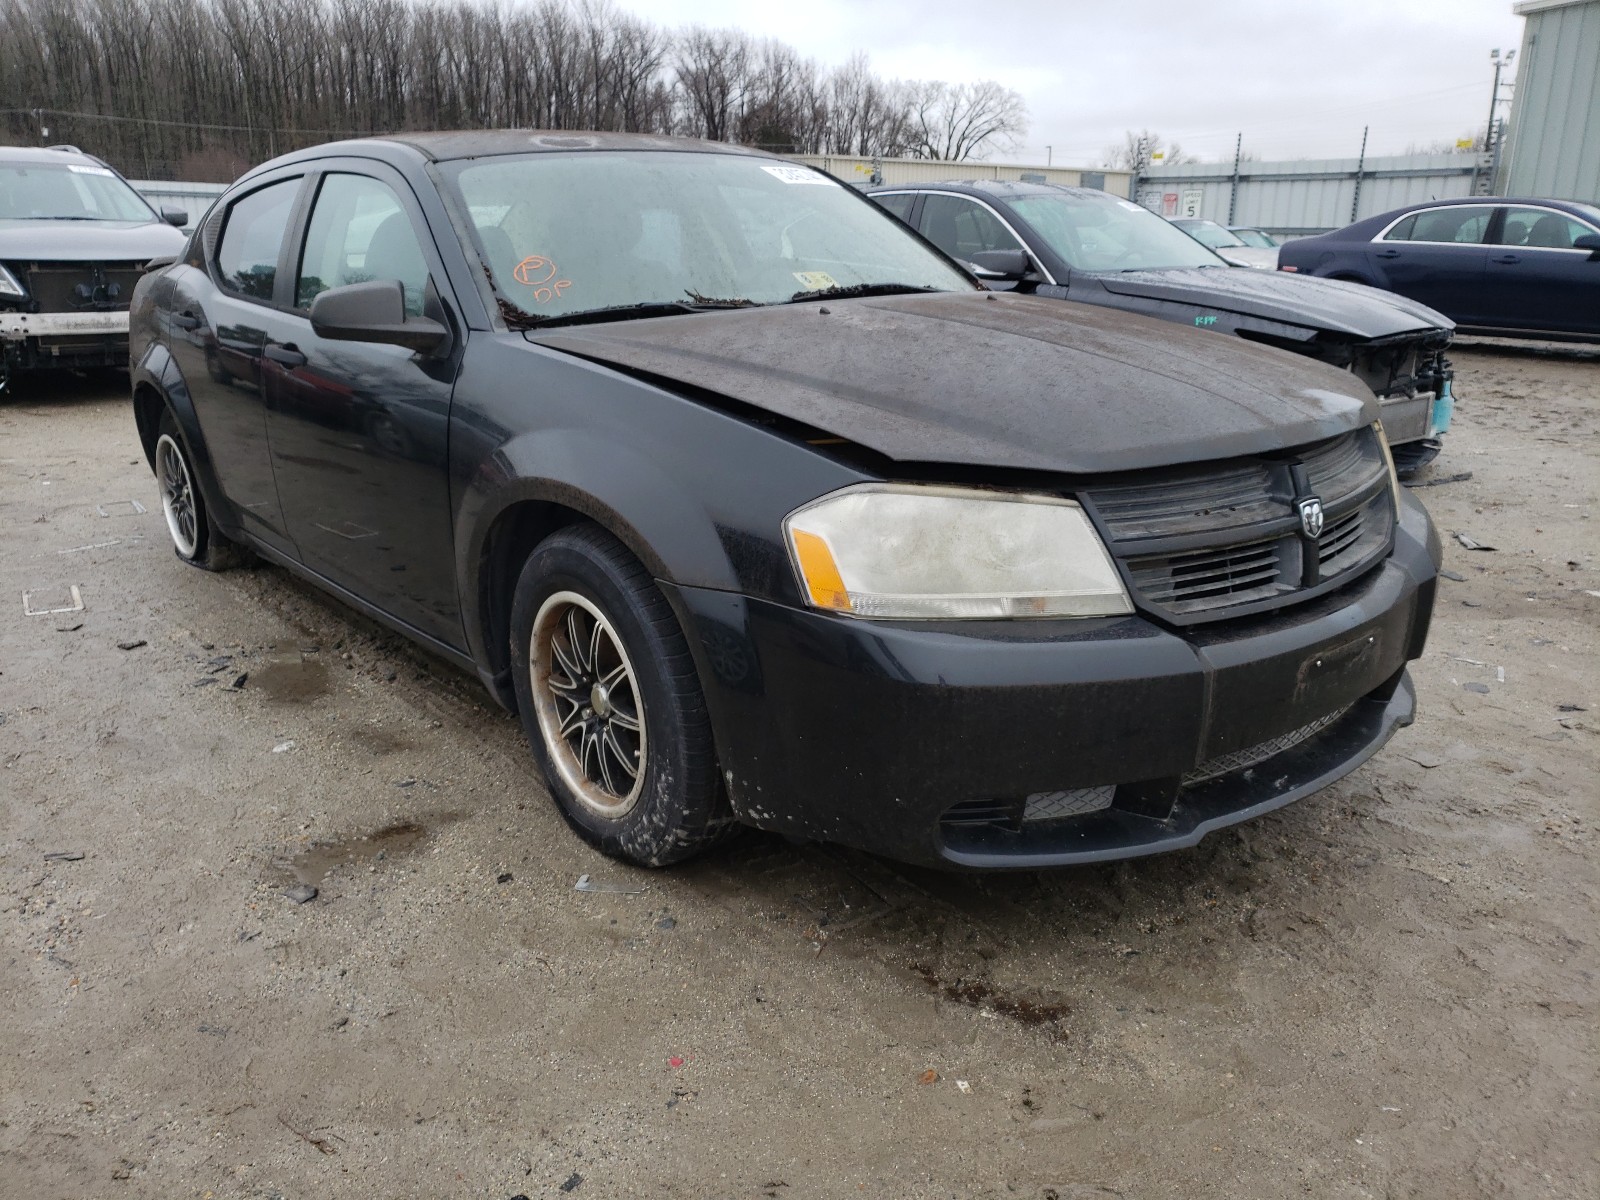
{"x": 756, "y": 508}
{"x": 1085, "y": 245}
{"x": 1509, "y": 268}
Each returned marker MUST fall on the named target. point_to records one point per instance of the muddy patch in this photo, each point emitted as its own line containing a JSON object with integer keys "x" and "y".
{"x": 291, "y": 677}
{"x": 979, "y": 994}
{"x": 316, "y": 862}
{"x": 375, "y": 741}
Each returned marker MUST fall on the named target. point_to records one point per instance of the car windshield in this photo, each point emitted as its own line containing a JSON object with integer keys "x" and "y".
{"x": 619, "y": 233}
{"x": 68, "y": 192}
{"x": 1096, "y": 232}
{"x": 1209, "y": 233}
{"x": 1254, "y": 237}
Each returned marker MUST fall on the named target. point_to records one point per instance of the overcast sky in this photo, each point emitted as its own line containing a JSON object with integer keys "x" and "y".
{"x": 1299, "y": 77}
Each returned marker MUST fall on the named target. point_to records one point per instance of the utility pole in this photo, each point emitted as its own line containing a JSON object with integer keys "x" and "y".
{"x": 1048, "y": 151}
{"x": 1483, "y": 183}
{"x": 1233, "y": 188}
{"x": 1355, "y": 201}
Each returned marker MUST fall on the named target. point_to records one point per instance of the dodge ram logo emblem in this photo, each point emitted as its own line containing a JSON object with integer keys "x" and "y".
{"x": 1310, "y": 515}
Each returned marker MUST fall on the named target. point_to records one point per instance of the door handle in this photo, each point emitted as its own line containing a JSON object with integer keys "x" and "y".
{"x": 1386, "y": 254}
{"x": 288, "y": 355}
{"x": 186, "y": 321}
{"x": 1507, "y": 258}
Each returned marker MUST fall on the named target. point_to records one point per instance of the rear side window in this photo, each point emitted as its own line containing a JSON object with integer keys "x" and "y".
{"x": 247, "y": 257}
{"x": 899, "y": 204}
{"x": 962, "y": 228}
{"x": 1467, "y": 225}
{"x": 359, "y": 232}
{"x": 1540, "y": 228}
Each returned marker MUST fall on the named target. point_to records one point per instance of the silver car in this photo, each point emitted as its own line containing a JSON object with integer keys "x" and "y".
{"x": 74, "y": 239}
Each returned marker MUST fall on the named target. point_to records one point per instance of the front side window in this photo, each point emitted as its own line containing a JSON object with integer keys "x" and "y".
{"x": 1094, "y": 232}
{"x": 359, "y": 232}
{"x": 1465, "y": 225}
{"x": 1540, "y": 228}
{"x": 567, "y": 234}
{"x": 962, "y": 227}
{"x": 68, "y": 192}
{"x": 247, "y": 256}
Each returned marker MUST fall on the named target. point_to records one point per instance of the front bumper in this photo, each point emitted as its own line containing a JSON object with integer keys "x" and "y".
{"x": 30, "y": 341}
{"x": 890, "y": 736}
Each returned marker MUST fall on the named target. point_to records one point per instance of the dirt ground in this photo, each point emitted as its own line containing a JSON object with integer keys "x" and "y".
{"x": 1388, "y": 990}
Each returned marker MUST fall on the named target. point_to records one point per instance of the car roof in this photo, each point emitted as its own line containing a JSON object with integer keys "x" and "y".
{"x": 53, "y": 155}
{"x": 444, "y": 146}
{"x": 1002, "y": 188}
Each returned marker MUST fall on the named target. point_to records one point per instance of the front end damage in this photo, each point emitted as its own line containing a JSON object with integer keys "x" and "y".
{"x": 65, "y": 315}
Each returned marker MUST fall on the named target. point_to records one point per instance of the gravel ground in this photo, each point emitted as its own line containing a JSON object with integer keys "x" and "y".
{"x": 1388, "y": 990}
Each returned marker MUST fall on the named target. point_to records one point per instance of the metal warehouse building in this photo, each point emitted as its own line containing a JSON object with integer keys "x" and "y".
{"x": 1553, "y": 145}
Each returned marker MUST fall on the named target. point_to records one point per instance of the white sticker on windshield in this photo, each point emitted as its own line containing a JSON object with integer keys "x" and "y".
{"x": 1130, "y": 204}
{"x": 73, "y": 167}
{"x": 798, "y": 175}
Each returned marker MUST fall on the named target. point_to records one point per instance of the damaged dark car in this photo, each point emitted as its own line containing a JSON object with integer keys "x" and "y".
{"x": 74, "y": 239}
{"x": 1085, "y": 245}
{"x": 758, "y": 510}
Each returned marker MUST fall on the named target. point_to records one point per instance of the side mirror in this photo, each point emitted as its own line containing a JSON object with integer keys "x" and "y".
{"x": 175, "y": 217}
{"x": 1011, "y": 266}
{"x": 375, "y": 312}
{"x": 1589, "y": 242}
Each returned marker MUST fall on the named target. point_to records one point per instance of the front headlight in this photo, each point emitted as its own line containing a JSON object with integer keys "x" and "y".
{"x": 926, "y": 552}
{"x": 9, "y": 285}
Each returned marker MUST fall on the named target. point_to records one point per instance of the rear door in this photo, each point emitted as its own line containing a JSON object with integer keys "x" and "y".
{"x": 220, "y": 319}
{"x": 1438, "y": 256}
{"x": 359, "y": 430}
{"x": 1537, "y": 278}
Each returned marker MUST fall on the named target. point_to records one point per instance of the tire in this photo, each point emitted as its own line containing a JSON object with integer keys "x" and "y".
{"x": 195, "y": 536}
{"x": 611, "y": 704}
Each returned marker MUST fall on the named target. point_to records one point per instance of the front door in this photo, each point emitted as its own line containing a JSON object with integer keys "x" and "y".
{"x": 1537, "y": 279}
{"x": 359, "y": 430}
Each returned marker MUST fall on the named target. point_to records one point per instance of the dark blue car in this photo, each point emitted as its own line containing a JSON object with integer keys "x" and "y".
{"x": 1512, "y": 268}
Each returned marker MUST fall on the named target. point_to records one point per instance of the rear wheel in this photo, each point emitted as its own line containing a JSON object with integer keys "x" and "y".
{"x": 611, "y": 703}
{"x": 195, "y": 537}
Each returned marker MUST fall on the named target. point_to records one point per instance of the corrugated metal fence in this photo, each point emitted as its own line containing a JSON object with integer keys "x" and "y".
{"x": 1308, "y": 195}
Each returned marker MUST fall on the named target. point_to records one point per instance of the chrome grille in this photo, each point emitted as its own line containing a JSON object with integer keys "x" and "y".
{"x": 1209, "y": 543}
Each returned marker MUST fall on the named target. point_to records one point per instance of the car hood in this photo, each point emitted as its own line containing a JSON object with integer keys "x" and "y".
{"x": 89, "y": 241}
{"x": 992, "y": 379}
{"x": 1333, "y": 305}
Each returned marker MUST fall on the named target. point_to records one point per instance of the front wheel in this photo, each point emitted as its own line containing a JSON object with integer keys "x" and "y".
{"x": 611, "y": 703}
{"x": 195, "y": 537}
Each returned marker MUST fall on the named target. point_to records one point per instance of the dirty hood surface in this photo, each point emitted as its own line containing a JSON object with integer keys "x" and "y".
{"x": 993, "y": 379}
{"x": 87, "y": 241}
{"x": 1335, "y": 305}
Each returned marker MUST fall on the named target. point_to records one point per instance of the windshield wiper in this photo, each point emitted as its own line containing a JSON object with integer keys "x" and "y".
{"x": 636, "y": 312}
{"x": 846, "y": 291}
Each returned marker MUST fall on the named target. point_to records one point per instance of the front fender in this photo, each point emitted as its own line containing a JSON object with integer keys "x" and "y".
{"x": 697, "y": 493}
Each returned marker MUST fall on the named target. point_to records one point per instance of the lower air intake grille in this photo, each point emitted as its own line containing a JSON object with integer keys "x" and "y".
{"x": 1051, "y": 806}
{"x": 1239, "y": 760}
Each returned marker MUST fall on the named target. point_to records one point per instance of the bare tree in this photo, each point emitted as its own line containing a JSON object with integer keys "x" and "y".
{"x": 1137, "y": 152}
{"x": 958, "y": 121}
{"x": 201, "y": 89}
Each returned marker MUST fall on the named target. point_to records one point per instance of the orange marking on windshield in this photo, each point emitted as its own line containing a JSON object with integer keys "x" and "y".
{"x": 539, "y": 273}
